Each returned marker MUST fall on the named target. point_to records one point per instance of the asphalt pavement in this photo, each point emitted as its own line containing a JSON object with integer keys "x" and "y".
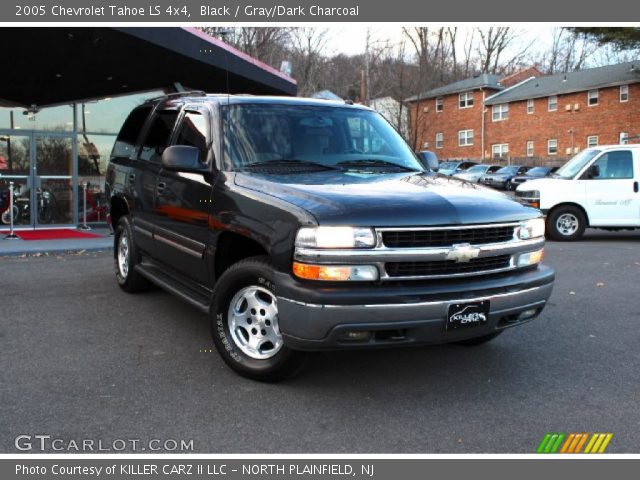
{"x": 80, "y": 359}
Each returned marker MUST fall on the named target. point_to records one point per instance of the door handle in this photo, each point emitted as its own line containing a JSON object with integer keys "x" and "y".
{"x": 160, "y": 187}
{"x": 132, "y": 177}
{"x": 635, "y": 187}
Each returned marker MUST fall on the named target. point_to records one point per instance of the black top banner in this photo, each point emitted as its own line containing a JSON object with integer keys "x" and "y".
{"x": 280, "y": 11}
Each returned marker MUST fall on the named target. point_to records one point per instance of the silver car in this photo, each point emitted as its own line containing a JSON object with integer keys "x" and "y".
{"x": 474, "y": 173}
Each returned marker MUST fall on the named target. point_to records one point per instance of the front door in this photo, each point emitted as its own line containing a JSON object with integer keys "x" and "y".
{"x": 611, "y": 196}
{"x": 40, "y": 165}
{"x": 183, "y": 202}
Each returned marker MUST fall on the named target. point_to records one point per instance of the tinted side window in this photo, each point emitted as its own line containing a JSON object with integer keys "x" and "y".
{"x": 126, "y": 141}
{"x": 158, "y": 135}
{"x": 193, "y": 132}
{"x": 615, "y": 165}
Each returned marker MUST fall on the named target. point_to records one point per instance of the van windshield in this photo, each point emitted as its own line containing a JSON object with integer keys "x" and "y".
{"x": 320, "y": 136}
{"x": 576, "y": 164}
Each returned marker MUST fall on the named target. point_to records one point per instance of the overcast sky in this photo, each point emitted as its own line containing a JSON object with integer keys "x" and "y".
{"x": 351, "y": 39}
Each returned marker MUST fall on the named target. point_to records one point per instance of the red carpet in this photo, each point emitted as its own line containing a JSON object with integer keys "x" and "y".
{"x": 52, "y": 234}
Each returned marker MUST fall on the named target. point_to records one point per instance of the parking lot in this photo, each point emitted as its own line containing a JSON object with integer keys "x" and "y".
{"x": 80, "y": 359}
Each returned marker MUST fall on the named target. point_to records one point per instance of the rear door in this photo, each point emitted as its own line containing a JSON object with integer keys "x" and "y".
{"x": 144, "y": 175}
{"x": 183, "y": 201}
{"x": 612, "y": 197}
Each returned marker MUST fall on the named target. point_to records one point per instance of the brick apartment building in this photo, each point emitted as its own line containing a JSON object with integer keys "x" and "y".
{"x": 527, "y": 117}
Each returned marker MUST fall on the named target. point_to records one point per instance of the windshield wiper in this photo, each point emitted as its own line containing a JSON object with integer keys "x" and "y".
{"x": 288, "y": 162}
{"x": 375, "y": 163}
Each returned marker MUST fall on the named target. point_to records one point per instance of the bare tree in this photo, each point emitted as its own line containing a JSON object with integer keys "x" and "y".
{"x": 307, "y": 45}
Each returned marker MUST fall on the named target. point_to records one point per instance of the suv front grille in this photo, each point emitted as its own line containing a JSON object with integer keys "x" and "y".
{"x": 446, "y": 237}
{"x": 447, "y": 267}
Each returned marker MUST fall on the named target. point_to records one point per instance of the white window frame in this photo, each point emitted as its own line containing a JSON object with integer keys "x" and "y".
{"x": 593, "y": 94}
{"x": 530, "y": 105}
{"x": 549, "y": 152}
{"x": 468, "y": 96}
{"x": 624, "y": 90}
{"x": 500, "y": 112}
{"x": 439, "y": 104}
{"x": 555, "y": 103}
{"x": 439, "y": 139}
{"x": 589, "y": 141}
{"x": 530, "y": 148}
{"x": 465, "y": 134}
{"x": 623, "y": 138}
{"x": 503, "y": 150}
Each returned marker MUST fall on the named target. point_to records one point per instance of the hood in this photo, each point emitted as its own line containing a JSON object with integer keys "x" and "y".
{"x": 399, "y": 199}
{"x": 538, "y": 183}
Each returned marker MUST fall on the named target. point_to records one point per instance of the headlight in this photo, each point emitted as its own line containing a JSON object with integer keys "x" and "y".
{"x": 533, "y": 228}
{"x": 335, "y": 237}
{"x": 530, "y": 258}
{"x": 336, "y": 273}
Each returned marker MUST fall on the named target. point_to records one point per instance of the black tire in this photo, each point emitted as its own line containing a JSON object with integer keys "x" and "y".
{"x": 566, "y": 223}
{"x": 128, "y": 279}
{"x": 471, "y": 342}
{"x": 250, "y": 275}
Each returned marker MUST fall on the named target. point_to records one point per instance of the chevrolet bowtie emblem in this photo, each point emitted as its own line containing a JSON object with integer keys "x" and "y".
{"x": 462, "y": 252}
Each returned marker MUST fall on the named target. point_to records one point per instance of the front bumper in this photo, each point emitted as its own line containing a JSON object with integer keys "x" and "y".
{"x": 317, "y": 318}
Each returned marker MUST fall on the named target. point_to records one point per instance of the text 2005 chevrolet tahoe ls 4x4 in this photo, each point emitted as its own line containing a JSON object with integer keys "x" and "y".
{"x": 308, "y": 225}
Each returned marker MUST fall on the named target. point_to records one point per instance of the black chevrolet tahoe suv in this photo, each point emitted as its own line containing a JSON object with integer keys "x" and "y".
{"x": 303, "y": 225}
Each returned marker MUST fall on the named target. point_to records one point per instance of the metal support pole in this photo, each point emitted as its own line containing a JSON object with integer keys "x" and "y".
{"x": 11, "y": 235}
{"x": 84, "y": 225}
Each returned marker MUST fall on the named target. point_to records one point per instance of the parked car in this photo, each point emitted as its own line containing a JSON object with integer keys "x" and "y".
{"x": 450, "y": 168}
{"x": 535, "y": 172}
{"x": 474, "y": 173}
{"x": 597, "y": 188}
{"x": 502, "y": 178}
{"x": 302, "y": 225}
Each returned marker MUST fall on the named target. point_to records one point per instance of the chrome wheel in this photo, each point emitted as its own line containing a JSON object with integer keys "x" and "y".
{"x": 567, "y": 224}
{"x": 253, "y": 322}
{"x": 123, "y": 255}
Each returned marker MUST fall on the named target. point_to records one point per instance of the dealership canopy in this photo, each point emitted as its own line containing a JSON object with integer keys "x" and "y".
{"x": 50, "y": 66}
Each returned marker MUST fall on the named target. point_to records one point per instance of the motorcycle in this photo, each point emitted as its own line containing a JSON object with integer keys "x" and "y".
{"x": 45, "y": 202}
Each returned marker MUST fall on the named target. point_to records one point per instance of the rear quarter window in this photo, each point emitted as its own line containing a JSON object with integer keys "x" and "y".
{"x": 128, "y": 136}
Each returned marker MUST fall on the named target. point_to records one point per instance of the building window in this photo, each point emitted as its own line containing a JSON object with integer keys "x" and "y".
{"x": 466, "y": 100}
{"x": 592, "y": 98}
{"x": 465, "y": 138}
{"x": 530, "y": 148}
{"x": 439, "y": 140}
{"x": 592, "y": 141}
{"x": 439, "y": 104}
{"x": 530, "y": 106}
{"x": 500, "y": 151}
{"x": 552, "y": 146}
{"x": 624, "y": 93}
{"x": 553, "y": 103}
{"x": 624, "y": 138}
{"x": 500, "y": 112}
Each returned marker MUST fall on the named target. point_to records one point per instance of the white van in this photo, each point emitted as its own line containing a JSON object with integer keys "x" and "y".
{"x": 597, "y": 188}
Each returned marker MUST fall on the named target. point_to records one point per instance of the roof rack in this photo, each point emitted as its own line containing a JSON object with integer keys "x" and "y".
{"x": 190, "y": 93}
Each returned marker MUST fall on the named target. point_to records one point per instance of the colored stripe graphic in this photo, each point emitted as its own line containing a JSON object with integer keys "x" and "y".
{"x": 550, "y": 443}
{"x": 553, "y": 442}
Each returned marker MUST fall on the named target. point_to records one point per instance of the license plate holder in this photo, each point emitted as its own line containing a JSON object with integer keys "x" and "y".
{"x": 467, "y": 315}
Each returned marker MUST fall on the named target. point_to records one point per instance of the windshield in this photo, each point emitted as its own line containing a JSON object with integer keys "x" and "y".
{"x": 508, "y": 170}
{"x": 538, "y": 171}
{"x": 577, "y": 163}
{"x": 448, "y": 165}
{"x": 476, "y": 169}
{"x": 304, "y": 136}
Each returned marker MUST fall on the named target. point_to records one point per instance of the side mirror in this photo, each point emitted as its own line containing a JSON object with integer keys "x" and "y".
{"x": 182, "y": 158}
{"x": 429, "y": 160}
